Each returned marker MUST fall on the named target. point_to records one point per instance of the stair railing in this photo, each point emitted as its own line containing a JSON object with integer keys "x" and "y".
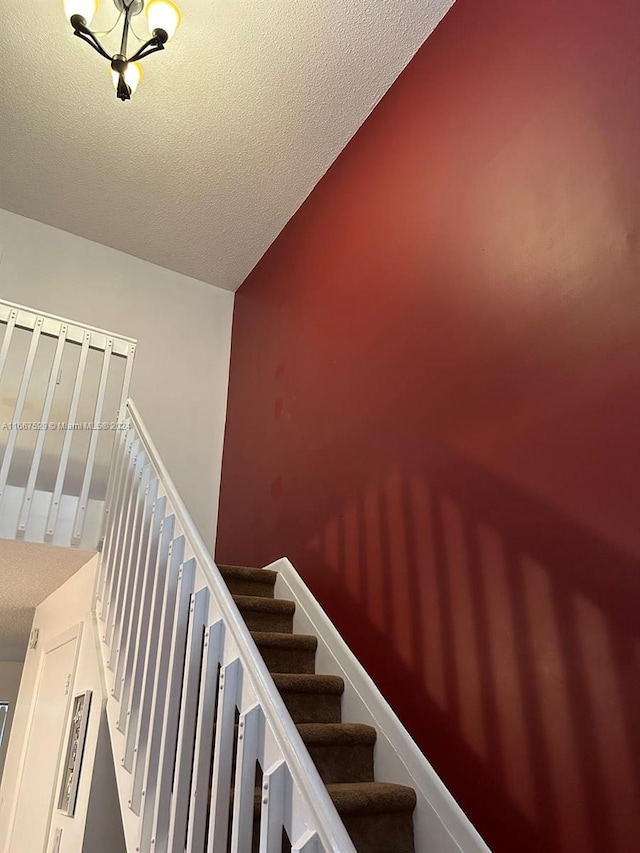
{"x": 63, "y": 386}
{"x": 207, "y": 756}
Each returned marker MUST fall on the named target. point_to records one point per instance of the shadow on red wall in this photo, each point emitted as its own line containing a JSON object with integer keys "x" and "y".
{"x": 508, "y": 637}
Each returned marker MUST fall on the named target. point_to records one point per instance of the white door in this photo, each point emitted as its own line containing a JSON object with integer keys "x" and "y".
{"x": 42, "y": 754}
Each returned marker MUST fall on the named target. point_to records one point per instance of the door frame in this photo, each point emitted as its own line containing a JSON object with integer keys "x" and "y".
{"x": 73, "y": 633}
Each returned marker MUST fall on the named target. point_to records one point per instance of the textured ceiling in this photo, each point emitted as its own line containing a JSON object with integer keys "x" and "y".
{"x": 28, "y": 574}
{"x": 231, "y": 128}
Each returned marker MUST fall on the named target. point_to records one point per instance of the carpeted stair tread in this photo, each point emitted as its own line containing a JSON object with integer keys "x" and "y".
{"x": 266, "y": 614}
{"x": 254, "y": 603}
{"x": 378, "y": 816}
{"x": 265, "y": 576}
{"x": 287, "y": 653}
{"x": 337, "y": 734}
{"x": 295, "y": 683}
{"x": 275, "y": 640}
{"x": 372, "y": 798}
{"x": 244, "y": 581}
{"x": 342, "y": 752}
{"x": 311, "y": 698}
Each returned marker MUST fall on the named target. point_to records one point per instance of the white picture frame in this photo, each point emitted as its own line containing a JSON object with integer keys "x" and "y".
{"x": 74, "y": 752}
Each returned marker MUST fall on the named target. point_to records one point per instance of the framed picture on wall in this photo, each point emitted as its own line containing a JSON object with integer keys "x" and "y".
{"x": 73, "y": 753}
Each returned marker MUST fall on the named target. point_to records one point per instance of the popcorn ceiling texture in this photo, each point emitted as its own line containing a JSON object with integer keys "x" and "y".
{"x": 230, "y": 130}
{"x": 29, "y": 574}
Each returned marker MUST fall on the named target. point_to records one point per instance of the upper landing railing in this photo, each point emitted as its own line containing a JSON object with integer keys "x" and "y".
{"x": 63, "y": 387}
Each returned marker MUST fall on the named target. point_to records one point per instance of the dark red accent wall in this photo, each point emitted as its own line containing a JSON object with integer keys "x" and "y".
{"x": 434, "y": 412}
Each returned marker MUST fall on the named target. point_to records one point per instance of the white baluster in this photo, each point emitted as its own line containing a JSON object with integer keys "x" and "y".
{"x": 213, "y": 642}
{"x": 276, "y": 802}
{"x": 54, "y": 508}
{"x": 250, "y": 750}
{"x": 83, "y": 500}
{"x": 179, "y": 803}
{"x": 19, "y": 405}
{"x": 42, "y": 434}
{"x": 223, "y": 757}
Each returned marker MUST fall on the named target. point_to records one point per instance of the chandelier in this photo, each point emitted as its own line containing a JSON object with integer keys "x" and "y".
{"x": 163, "y": 18}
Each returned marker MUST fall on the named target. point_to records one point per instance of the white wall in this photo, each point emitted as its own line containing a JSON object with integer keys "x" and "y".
{"x": 10, "y": 674}
{"x": 67, "y": 607}
{"x": 104, "y": 832}
{"x": 183, "y": 328}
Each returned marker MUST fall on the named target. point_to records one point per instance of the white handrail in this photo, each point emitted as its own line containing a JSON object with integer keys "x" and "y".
{"x": 21, "y": 316}
{"x": 323, "y": 818}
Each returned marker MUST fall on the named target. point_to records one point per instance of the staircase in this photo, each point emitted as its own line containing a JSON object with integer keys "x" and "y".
{"x": 377, "y": 816}
{"x": 225, "y": 739}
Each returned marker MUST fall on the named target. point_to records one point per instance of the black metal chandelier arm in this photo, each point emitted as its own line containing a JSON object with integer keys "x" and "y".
{"x": 88, "y": 36}
{"x": 152, "y": 46}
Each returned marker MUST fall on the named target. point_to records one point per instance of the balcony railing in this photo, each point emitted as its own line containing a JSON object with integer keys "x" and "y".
{"x": 63, "y": 386}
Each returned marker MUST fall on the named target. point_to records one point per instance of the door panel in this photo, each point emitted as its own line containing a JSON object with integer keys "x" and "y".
{"x": 41, "y": 761}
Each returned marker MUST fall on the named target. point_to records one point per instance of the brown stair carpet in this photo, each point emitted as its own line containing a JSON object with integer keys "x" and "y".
{"x": 294, "y": 653}
{"x": 377, "y": 816}
{"x": 266, "y": 614}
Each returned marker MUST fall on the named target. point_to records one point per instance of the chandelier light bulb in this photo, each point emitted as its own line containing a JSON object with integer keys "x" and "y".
{"x": 85, "y": 8}
{"x": 163, "y": 15}
{"x": 132, "y": 76}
